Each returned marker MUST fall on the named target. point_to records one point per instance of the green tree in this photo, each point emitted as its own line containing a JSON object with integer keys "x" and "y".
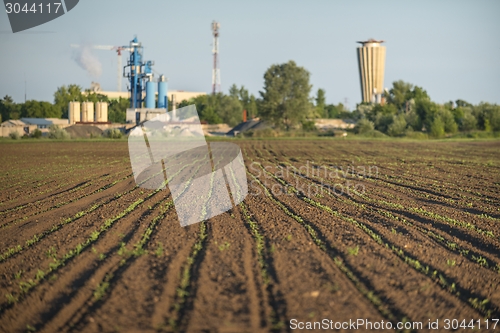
{"x": 117, "y": 110}
{"x": 208, "y": 107}
{"x": 247, "y": 100}
{"x": 66, "y": 94}
{"x": 321, "y": 103}
{"x": 36, "y": 109}
{"x": 252, "y": 108}
{"x": 37, "y": 134}
{"x": 234, "y": 91}
{"x": 399, "y": 93}
{"x": 426, "y": 111}
{"x": 491, "y": 115}
{"x": 398, "y": 126}
{"x": 469, "y": 122}
{"x": 450, "y": 126}
{"x": 9, "y": 109}
{"x": 230, "y": 110}
{"x": 437, "y": 128}
{"x": 403, "y": 92}
{"x": 413, "y": 120}
{"x": 285, "y": 99}
{"x": 94, "y": 97}
{"x": 462, "y": 103}
{"x": 364, "y": 126}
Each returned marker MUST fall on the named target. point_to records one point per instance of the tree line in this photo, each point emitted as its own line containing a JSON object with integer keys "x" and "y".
{"x": 409, "y": 108}
{"x": 287, "y": 104}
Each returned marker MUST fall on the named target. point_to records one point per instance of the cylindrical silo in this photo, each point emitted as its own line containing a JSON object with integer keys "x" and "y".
{"x": 162, "y": 93}
{"x": 74, "y": 112}
{"x": 101, "y": 112}
{"x": 84, "y": 112}
{"x": 150, "y": 95}
{"x": 87, "y": 112}
{"x": 104, "y": 112}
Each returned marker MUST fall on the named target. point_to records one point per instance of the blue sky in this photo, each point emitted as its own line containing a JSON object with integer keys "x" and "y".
{"x": 450, "y": 48}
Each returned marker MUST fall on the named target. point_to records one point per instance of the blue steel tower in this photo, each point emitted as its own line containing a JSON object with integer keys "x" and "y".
{"x": 140, "y": 75}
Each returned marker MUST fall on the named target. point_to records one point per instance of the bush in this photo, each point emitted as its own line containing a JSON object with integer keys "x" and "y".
{"x": 373, "y": 134}
{"x": 398, "y": 126}
{"x": 113, "y": 133}
{"x": 309, "y": 126}
{"x": 416, "y": 135}
{"x": 58, "y": 133}
{"x": 437, "y": 128}
{"x": 482, "y": 135}
{"x": 37, "y": 134}
{"x": 469, "y": 122}
{"x": 14, "y": 135}
{"x": 364, "y": 126}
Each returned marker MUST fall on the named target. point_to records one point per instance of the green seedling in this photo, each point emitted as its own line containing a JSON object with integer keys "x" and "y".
{"x": 353, "y": 251}
{"x": 17, "y": 275}
{"x": 224, "y": 246}
{"x": 159, "y": 250}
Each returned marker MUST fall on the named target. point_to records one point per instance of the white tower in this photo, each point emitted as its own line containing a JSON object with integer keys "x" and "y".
{"x": 215, "y": 51}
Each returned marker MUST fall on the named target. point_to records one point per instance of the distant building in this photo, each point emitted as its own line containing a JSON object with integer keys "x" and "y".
{"x": 26, "y": 126}
{"x": 17, "y": 126}
{"x": 371, "y": 62}
{"x": 45, "y": 123}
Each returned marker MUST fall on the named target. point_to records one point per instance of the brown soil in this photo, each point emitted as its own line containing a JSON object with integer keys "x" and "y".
{"x": 416, "y": 237}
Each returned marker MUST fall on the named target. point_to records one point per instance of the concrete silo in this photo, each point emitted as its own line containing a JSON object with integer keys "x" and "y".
{"x": 371, "y": 61}
{"x": 74, "y": 112}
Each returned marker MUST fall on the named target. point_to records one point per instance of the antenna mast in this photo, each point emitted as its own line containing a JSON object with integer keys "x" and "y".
{"x": 215, "y": 51}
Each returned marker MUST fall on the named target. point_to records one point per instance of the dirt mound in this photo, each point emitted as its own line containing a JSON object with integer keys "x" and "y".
{"x": 84, "y": 131}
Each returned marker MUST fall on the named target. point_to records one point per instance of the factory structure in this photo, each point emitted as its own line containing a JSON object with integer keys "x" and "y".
{"x": 149, "y": 96}
{"x": 371, "y": 62}
{"x": 88, "y": 113}
{"x": 143, "y": 87}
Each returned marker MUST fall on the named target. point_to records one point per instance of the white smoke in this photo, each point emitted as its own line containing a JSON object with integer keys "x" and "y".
{"x": 88, "y": 61}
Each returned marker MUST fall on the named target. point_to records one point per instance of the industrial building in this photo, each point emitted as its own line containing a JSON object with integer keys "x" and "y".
{"x": 371, "y": 62}
{"x": 26, "y": 126}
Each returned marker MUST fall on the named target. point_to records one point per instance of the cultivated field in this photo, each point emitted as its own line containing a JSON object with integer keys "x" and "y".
{"x": 378, "y": 230}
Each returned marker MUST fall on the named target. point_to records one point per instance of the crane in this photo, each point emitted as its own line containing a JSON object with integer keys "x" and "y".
{"x": 118, "y": 50}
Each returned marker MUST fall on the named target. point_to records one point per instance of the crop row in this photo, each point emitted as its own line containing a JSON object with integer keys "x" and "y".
{"x": 38, "y": 175}
{"x": 451, "y": 245}
{"x": 188, "y": 270}
{"x": 333, "y": 253}
{"x": 123, "y": 251}
{"x": 419, "y": 210}
{"x": 468, "y": 253}
{"x": 475, "y": 301}
{"x": 37, "y": 237}
{"x": 28, "y": 285}
{"x": 76, "y": 188}
{"x": 64, "y": 203}
{"x": 416, "y": 187}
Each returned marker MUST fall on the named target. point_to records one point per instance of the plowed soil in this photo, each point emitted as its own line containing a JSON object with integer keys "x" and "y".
{"x": 331, "y": 231}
